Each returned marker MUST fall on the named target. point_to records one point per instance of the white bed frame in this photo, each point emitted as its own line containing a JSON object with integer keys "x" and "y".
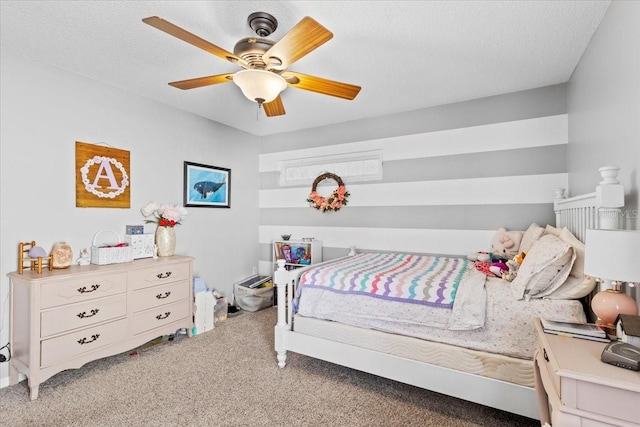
{"x": 600, "y": 209}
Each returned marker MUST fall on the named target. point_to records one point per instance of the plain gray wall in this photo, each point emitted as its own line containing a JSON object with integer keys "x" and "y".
{"x": 604, "y": 107}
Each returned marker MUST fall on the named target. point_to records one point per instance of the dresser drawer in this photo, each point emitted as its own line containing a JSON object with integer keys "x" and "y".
{"x": 159, "y": 295}
{"x": 158, "y": 275}
{"x": 588, "y": 396}
{"x": 160, "y": 316}
{"x": 76, "y": 290}
{"x": 80, "y": 315}
{"x": 58, "y": 349}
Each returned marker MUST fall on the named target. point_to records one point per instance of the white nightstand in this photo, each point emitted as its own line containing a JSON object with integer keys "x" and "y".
{"x": 576, "y": 389}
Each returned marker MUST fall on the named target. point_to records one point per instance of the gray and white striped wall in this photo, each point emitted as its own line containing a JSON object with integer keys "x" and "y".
{"x": 451, "y": 175}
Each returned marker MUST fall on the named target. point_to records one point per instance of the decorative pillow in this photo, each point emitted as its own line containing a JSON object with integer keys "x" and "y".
{"x": 577, "y": 284}
{"x": 533, "y": 233}
{"x": 550, "y": 229}
{"x": 546, "y": 266}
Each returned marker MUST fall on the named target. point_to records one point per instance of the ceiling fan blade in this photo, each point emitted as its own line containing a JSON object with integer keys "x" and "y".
{"x": 320, "y": 85}
{"x": 303, "y": 38}
{"x": 274, "y": 108}
{"x": 203, "y": 81}
{"x": 188, "y": 37}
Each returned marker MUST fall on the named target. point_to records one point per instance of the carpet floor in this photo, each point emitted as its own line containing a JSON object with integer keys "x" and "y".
{"x": 229, "y": 377}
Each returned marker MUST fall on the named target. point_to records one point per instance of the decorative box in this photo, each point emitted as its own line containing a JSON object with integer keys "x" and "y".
{"x": 135, "y": 229}
{"x": 143, "y": 245}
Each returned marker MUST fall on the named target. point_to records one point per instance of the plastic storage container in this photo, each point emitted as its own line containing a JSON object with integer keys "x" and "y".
{"x": 254, "y": 293}
{"x": 220, "y": 310}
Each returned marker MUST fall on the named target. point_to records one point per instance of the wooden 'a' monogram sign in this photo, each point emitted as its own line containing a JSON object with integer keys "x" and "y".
{"x": 102, "y": 177}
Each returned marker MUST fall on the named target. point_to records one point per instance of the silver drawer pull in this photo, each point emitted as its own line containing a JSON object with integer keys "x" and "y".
{"x": 163, "y": 296}
{"x": 85, "y": 341}
{"x": 84, "y": 314}
{"x": 163, "y": 276}
{"x": 545, "y": 355}
{"x": 84, "y": 290}
{"x": 163, "y": 316}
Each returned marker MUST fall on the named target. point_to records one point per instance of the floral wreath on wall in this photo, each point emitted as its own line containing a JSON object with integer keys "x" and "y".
{"x": 335, "y": 201}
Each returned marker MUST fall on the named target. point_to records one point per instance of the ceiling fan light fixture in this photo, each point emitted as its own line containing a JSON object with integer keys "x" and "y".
{"x": 259, "y": 85}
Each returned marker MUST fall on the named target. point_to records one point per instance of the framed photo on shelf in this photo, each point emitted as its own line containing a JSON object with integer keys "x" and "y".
{"x": 206, "y": 186}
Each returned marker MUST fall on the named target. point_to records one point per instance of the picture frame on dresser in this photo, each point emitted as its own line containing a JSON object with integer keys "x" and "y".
{"x": 206, "y": 186}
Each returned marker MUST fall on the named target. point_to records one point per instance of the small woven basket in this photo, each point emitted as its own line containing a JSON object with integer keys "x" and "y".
{"x": 102, "y": 255}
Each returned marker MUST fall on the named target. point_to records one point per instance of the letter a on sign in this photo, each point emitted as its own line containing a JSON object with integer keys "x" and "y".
{"x": 102, "y": 177}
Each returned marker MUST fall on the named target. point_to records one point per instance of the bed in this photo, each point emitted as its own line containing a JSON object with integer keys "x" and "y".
{"x": 471, "y": 338}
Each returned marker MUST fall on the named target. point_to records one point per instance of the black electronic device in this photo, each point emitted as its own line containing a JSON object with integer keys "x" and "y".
{"x": 622, "y": 354}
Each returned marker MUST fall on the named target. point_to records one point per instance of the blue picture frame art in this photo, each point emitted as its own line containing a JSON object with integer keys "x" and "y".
{"x": 206, "y": 186}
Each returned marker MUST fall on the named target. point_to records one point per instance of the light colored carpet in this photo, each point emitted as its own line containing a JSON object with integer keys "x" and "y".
{"x": 229, "y": 377}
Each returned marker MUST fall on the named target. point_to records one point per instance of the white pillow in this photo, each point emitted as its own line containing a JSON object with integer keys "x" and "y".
{"x": 577, "y": 284}
{"x": 546, "y": 266}
{"x": 550, "y": 229}
{"x": 533, "y": 233}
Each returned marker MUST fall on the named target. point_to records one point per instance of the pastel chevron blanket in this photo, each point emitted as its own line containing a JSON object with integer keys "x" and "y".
{"x": 417, "y": 279}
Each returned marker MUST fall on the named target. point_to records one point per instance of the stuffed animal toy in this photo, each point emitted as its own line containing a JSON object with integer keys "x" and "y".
{"x": 512, "y": 267}
{"x": 491, "y": 269}
{"x": 504, "y": 246}
{"x": 520, "y": 257}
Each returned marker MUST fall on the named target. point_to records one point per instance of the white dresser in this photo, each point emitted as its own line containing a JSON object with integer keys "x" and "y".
{"x": 62, "y": 319}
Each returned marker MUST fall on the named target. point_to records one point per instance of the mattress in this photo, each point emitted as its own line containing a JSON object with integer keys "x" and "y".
{"x": 490, "y": 365}
{"x": 508, "y": 327}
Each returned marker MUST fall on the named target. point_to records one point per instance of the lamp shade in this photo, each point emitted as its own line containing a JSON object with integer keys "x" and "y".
{"x": 613, "y": 255}
{"x": 259, "y": 85}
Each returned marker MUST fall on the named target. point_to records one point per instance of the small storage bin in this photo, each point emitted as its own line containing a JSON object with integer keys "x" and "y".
{"x": 220, "y": 310}
{"x": 113, "y": 252}
{"x": 254, "y": 293}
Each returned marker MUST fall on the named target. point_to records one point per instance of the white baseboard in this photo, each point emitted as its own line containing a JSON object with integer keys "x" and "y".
{"x": 4, "y": 382}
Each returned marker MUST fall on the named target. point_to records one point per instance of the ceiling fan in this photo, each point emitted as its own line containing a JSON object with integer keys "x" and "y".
{"x": 264, "y": 61}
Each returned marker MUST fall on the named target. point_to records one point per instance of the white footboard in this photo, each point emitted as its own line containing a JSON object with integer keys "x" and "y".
{"x": 286, "y": 282}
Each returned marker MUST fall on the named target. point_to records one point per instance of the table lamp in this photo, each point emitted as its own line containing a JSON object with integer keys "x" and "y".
{"x": 613, "y": 255}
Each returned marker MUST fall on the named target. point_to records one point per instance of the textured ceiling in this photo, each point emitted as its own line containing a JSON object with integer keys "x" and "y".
{"x": 405, "y": 54}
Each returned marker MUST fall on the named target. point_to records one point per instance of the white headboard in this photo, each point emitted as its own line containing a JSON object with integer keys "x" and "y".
{"x": 598, "y": 210}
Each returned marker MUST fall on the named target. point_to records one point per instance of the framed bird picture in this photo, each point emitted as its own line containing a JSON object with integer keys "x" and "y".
{"x": 206, "y": 186}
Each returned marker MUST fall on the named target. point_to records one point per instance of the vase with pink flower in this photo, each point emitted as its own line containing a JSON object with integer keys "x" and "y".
{"x": 167, "y": 217}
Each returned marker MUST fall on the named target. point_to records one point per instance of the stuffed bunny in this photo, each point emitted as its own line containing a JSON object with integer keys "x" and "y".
{"x": 504, "y": 246}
